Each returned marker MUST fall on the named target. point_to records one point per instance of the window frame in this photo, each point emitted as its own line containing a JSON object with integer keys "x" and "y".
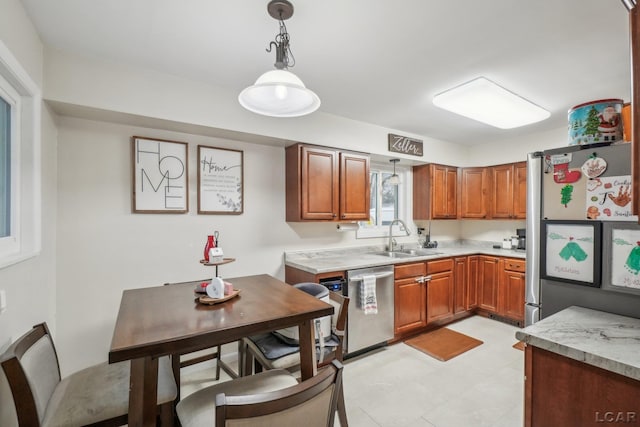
{"x": 24, "y": 240}
{"x": 366, "y": 230}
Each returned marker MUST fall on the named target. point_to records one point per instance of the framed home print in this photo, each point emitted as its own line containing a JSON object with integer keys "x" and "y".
{"x": 220, "y": 181}
{"x": 160, "y": 174}
{"x": 571, "y": 252}
{"x": 621, "y": 257}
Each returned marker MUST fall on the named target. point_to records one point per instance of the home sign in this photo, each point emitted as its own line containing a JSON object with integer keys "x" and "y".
{"x": 405, "y": 145}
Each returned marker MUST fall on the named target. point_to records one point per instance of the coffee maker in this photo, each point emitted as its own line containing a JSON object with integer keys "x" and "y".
{"x": 522, "y": 238}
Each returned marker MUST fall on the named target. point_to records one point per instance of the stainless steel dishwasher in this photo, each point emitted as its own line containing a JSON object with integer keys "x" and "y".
{"x": 365, "y": 331}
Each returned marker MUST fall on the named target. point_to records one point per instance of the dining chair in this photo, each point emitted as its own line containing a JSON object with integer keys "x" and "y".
{"x": 181, "y": 360}
{"x": 97, "y": 395}
{"x": 270, "y": 351}
{"x": 272, "y": 398}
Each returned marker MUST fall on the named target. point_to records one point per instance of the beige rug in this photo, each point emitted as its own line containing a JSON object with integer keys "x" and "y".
{"x": 443, "y": 344}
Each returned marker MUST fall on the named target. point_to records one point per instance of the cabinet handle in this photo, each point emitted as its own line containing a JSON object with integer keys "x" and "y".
{"x": 343, "y": 216}
{"x": 426, "y": 279}
{"x": 334, "y": 215}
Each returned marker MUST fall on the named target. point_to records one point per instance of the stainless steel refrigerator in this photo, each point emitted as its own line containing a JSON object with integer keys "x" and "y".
{"x": 581, "y": 247}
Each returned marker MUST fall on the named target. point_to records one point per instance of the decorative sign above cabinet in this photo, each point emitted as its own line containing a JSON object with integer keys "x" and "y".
{"x": 405, "y": 145}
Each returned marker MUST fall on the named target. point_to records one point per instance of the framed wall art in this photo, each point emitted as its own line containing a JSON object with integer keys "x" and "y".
{"x": 571, "y": 252}
{"x": 160, "y": 172}
{"x": 621, "y": 257}
{"x": 220, "y": 181}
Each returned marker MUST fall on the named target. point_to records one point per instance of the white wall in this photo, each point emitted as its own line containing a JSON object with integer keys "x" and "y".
{"x": 30, "y": 285}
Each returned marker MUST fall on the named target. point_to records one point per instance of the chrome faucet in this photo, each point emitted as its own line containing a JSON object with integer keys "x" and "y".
{"x": 392, "y": 241}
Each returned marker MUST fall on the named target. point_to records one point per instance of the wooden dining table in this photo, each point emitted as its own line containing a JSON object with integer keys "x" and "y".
{"x": 164, "y": 320}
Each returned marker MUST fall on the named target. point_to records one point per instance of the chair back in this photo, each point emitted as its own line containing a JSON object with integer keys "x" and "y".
{"x": 312, "y": 403}
{"x": 31, "y": 367}
{"x": 339, "y": 321}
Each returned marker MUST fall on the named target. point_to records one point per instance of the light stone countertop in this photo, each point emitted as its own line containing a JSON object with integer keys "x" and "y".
{"x": 605, "y": 340}
{"x": 342, "y": 259}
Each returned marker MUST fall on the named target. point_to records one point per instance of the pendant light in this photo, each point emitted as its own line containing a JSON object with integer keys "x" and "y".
{"x": 279, "y": 92}
{"x": 393, "y": 179}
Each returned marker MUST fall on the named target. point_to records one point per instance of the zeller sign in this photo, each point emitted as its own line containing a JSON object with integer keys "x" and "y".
{"x": 405, "y": 145}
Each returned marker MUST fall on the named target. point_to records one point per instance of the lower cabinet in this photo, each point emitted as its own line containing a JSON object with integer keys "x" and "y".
{"x": 435, "y": 292}
{"x": 471, "y": 300}
{"x": 512, "y": 287}
{"x": 410, "y": 297}
{"x": 488, "y": 275}
{"x": 440, "y": 289}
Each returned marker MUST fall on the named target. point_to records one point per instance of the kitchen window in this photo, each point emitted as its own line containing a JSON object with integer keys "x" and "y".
{"x": 5, "y": 168}
{"x": 20, "y": 198}
{"x": 388, "y": 202}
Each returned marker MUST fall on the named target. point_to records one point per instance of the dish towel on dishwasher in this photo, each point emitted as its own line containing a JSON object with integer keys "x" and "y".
{"x": 368, "y": 300}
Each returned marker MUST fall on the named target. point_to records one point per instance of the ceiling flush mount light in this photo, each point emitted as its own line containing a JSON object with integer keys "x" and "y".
{"x": 393, "y": 179}
{"x": 484, "y": 101}
{"x": 279, "y": 92}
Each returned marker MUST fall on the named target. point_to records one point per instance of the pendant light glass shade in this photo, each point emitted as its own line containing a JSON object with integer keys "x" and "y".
{"x": 393, "y": 179}
{"x": 279, "y": 93}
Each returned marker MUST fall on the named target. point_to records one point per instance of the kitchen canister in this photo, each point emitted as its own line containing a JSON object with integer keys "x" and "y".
{"x": 596, "y": 121}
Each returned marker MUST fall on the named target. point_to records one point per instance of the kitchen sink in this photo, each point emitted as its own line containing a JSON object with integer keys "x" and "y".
{"x": 407, "y": 253}
{"x": 394, "y": 254}
{"x": 419, "y": 252}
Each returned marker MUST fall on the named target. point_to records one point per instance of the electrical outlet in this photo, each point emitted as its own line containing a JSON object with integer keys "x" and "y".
{"x": 3, "y": 301}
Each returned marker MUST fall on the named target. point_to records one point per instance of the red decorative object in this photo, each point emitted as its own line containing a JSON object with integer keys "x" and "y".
{"x": 210, "y": 244}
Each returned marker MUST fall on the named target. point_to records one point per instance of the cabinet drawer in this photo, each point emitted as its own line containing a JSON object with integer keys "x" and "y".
{"x": 515, "y": 264}
{"x": 409, "y": 270}
{"x": 440, "y": 266}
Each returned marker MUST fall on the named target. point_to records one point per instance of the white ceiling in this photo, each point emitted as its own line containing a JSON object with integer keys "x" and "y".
{"x": 375, "y": 61}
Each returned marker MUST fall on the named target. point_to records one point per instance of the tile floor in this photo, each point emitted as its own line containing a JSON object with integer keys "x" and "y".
{"x": 398, "y": 386}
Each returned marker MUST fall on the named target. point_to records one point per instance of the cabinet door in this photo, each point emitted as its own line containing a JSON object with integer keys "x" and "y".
{"x": 512, "y": 294}
{"x": 435, "y": 189}
{"x": 488, "y": 283}
{"x": 440, "y": 289}
{"x": 472, "y": 281}
{"x": 410, "y": 305}
{"x": 460, "y": 288}
{"x": 354, "y": 187}
{"x": 444, "y": 182}
{"x": 502, "y": 191}
{"x": 319, "y": 183}
{"x": 520, "y": 190}
{"x": 474, "y": 187}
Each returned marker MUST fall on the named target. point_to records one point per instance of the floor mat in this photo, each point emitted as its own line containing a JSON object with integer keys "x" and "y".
{"x": 443, "y": 344}
{"x": 519, "y": 345}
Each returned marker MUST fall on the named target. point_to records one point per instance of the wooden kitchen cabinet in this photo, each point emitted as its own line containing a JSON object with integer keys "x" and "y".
{"x": 509, "y": 191}
{"x": 472, "y": 281}
{"x": 502, "y": 191}
{"x": 460, "y": 287}
{"x": 440, "y": 290}
{"x": 324, "y": 184}
{"x": 494, "y": 192}
{"x": 435, "y": 192}
{"x": 520, "y": 190}
{"x": 474, "y": 187}
{"x": 488, "y": 278}
{"x": 512, "y": 288}
{"x": 410, "y": 297}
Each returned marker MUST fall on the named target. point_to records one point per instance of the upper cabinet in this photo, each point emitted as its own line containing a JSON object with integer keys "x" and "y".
{"x": 474, "y": 197}
{"x": 509, "y": 193}
{"x": 520, "y": 190}
{"x": 435, "y": 192}
{"x": 325, "y": 184}
{"x": 497, "y": 192}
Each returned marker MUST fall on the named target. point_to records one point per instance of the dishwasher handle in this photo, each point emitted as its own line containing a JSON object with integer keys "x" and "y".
{"x": 377, "y": 275}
